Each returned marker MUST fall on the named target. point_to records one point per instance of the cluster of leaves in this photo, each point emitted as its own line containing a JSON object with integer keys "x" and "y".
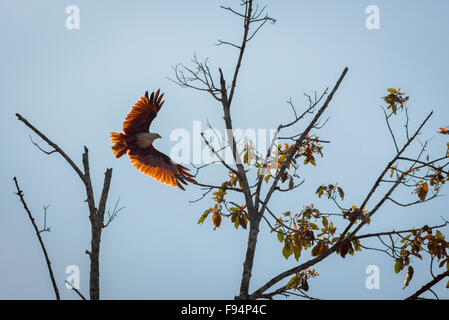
{"x": 355, "y": 213}
{"x": 352, "y": 214}
{"x": 222, "y": 207}
{"x": 435, "y": 179}
{"x": 349, "y": 246}
{"x": 216, "y": 217}
{"x": 395, "y": 99}
{"x": 250, "y": 154}
{"x": 331, "y": 191}
{"x": 238, "y": 213}
{"x": 308, "y": 149}
{"x": 422, "y": 188}
{"x": 299, "y": 280}
{"x": 422, "y": 240}
{"x": 298, "y": 232}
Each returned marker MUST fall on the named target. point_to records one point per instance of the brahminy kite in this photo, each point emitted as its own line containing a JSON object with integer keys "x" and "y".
{"x": 137, "y": 140}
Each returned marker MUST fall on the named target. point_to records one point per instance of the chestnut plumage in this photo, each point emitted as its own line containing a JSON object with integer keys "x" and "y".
{"x": 137, "y": 141}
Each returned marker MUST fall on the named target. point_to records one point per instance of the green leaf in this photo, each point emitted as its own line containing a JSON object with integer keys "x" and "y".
{"x": 204, "y": 216}
{"x": 341, "y": 193}
{"x": 287, "y": 251}
{"x": 292, "y": 281}
{"x": 356, "y": 244}
{"x": 267, "y": 177}
{"x": 398, "y": 266}
{"x": 297, "y": 251}
{"x": 314, "y": 226}
{"x": 391, "y": 90}
{"x": 350, "y": 249}
{"x": 236, "y": 222}
{"x": 245, "y": 157}
{"x": 320, "y": 191}
{"x": 317, "y": 249}
{"x": 405, "y": 238}
{"x": 282, "y": 158}
{"x": 280, "y": 236}
{"x": 325, "y": 222}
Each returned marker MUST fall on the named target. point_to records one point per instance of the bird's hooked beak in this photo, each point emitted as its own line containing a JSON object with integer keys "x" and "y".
{"x": 159, "y": 136}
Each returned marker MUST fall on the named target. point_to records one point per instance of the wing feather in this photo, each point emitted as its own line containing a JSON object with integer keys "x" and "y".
{"x": 159, "y": 166}
{"x": 142, "y": 113}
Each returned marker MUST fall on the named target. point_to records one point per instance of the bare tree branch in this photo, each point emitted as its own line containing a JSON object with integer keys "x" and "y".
{"x": 52, "y": 144}
{"x": 41, "y": 242}
{"x": 385, "y": 233}
{"x": 76, "y": 290}
{"x": 96, "y": 216}
{"x": 428, "y": 285}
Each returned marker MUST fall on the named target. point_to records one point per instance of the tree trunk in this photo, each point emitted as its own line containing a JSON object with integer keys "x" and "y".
{"x": 94, "y": 284}
{"x": 249, "y": 259}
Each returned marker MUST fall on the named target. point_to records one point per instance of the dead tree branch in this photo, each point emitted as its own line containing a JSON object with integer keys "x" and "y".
{"x": 96, "y": 215}
{"x": 41, "y": 242}
{"x": 76, "y": 290}
{"x": 428, "y": 285}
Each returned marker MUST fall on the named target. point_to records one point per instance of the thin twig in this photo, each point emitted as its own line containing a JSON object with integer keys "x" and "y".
{"x": 76, "y": 290}
{"x": 52, "y": 144}
{"x": 44, "y": 250}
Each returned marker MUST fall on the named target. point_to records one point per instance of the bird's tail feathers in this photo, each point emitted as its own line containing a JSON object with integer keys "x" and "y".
{"x": 119, "y": 145}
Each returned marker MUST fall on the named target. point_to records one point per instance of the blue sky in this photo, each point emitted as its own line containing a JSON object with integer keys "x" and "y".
{"x": 77, "y": 86}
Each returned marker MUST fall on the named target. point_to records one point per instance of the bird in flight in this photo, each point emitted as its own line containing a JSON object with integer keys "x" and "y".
{"x": 137, "y": 140}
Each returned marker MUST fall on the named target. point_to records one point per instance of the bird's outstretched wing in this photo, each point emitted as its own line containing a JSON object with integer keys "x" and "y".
{"x": 159, "y": 166}
{"x": 142, "y": 113}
